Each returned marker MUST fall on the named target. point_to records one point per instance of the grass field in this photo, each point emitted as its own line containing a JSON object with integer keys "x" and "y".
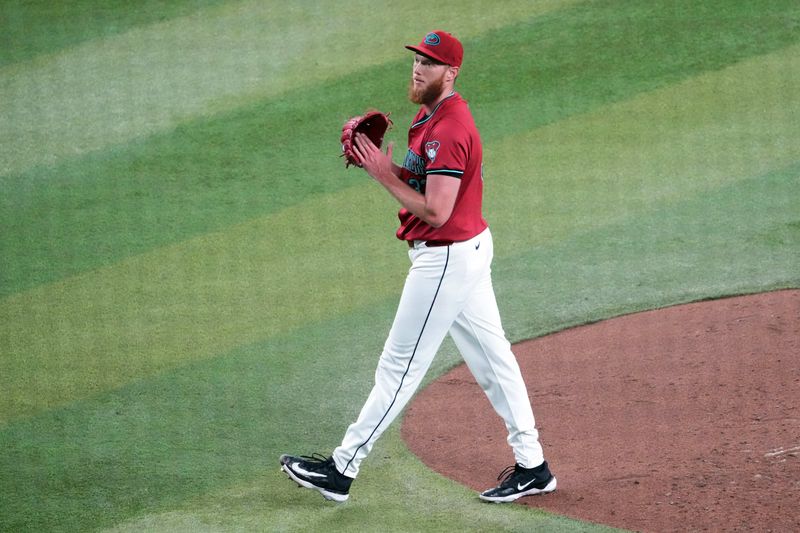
{"x": 192, "y": 284}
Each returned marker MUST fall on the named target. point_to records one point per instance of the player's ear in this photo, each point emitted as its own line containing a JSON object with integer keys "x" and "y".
{"x": 453, "y": 73}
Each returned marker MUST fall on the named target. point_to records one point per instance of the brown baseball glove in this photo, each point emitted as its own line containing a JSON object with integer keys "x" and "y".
{"x": 373, "y": 124}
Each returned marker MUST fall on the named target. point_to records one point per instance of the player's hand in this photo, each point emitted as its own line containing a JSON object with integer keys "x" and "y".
{"x": 373, "y": 160}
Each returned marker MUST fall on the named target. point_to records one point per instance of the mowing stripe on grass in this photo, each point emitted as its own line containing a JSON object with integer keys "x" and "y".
{"x": 37, "y": 27}
{"x": 667, "y": 144}
{"x": 575, "y": 60}
{"x": 191, "y": 438}
{"x": 210, "y": 173}
{"x": 743, "y": 237}
{"x": 112, "y": 90}
{"x": 157, "y": 310}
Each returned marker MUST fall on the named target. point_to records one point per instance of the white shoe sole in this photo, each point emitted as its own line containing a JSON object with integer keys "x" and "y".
{"x": 550, "y": 487}
{"x": 328, "y": 495}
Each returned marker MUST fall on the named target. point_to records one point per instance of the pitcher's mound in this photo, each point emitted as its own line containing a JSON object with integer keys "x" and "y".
{"x": 686, "y": 418}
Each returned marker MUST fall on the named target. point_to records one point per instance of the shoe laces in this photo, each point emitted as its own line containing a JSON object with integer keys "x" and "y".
{"x": 317, "y": 460}
{"x": 508, "y": 473}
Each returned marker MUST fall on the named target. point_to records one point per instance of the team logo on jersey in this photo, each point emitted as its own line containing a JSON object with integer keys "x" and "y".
{"x": 414, "y": 163}
{"x": 432, "y": 39}
{"x": 431, "y": 149}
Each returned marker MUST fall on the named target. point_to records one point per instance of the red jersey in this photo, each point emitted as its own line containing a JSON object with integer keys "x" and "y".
{"x": 446, "y": 143}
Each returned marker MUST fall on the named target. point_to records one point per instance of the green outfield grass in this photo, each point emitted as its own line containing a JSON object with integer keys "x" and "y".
{"x": 192, "y": 284}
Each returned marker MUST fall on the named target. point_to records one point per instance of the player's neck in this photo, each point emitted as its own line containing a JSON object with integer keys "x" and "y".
{"x": 429, "y": 108}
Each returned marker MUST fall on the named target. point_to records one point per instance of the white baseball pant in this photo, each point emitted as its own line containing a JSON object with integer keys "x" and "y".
{"x": 448, "y": 289}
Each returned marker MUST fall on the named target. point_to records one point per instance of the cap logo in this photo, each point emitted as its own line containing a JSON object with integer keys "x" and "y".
{"x": 432, "y": 39}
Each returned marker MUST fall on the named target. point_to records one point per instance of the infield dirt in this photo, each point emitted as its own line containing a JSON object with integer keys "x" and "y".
{"x": 684, "y": 418}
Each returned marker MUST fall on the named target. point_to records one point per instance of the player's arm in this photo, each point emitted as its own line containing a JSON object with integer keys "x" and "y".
{"x": 434, "y": 207}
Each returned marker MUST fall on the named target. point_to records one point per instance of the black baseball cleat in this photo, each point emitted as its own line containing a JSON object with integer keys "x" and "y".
{"x": 517, "y": 482}
{"x": 318, "y": 473}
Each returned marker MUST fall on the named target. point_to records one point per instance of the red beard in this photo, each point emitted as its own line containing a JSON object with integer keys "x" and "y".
{"x": 427, "y": 95}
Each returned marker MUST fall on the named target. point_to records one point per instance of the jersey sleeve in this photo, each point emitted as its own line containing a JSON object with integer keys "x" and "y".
{"x": 447, "y": 149}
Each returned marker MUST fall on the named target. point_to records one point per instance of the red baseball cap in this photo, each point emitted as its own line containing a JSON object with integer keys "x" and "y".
{"x": 442, "y": 47}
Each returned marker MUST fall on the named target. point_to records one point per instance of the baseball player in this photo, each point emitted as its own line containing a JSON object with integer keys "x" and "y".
{"x": 448, "y": 288}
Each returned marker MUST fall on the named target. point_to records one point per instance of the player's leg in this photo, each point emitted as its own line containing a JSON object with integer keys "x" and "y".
{"x": 432, "y": 297}
{"x": 479, "y": 336}
{"x": 486, "y": 351}
{"x": 424, "y": 315}
{"x": 482, "y": 342}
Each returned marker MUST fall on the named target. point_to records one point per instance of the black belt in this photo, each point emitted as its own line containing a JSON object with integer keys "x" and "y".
{"x": 431, "y": 244}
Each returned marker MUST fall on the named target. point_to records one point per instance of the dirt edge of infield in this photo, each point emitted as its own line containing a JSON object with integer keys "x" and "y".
{"x": 683, "y": 418}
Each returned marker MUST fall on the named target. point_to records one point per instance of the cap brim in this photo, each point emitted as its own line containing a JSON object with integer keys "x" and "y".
{"x": 426, "y": 53}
